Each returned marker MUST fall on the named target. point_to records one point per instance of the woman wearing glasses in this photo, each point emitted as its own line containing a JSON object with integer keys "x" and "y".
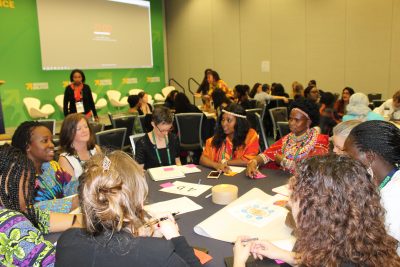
{"x": 160, "y": 147}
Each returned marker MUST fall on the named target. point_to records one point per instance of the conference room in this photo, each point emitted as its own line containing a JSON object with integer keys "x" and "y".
{"x": 199, "y": 132}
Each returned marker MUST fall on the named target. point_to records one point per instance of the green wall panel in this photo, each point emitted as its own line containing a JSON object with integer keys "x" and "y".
{"x": 20, "y": 64}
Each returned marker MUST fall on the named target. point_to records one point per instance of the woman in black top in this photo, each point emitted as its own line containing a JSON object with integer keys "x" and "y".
{"x": 183, "y": 105}
{"x": 144, "y": 108}
{"x": 118, "y": 232}
{"x": 160, "y": 147}
{"x": 78, "y": 96}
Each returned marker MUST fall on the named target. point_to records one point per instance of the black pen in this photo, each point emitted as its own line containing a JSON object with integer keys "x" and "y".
{"x": 247, "y": 240}
{"x": 160, "y": 220}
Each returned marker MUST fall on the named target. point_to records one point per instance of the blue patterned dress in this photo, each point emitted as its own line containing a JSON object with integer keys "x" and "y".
{"x": 52, "y": 186}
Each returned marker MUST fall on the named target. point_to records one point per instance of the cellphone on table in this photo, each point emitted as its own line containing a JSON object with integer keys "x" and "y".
{"x": 214, "y": 175}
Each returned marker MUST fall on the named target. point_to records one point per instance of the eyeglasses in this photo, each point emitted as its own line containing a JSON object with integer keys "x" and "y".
{"x": 164, "y": 131}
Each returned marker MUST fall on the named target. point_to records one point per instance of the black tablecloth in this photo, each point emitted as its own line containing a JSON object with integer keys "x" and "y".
{"x": 217, "y": 249}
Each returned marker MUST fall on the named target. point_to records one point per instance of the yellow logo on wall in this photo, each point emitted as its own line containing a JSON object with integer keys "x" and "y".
{"x": 7, "y": 4}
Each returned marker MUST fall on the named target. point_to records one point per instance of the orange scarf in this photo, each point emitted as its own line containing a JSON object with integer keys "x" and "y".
{"x": 77, "y": 91}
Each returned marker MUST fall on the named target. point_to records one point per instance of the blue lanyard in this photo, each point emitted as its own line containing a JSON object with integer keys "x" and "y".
{"x": 158, "y": 153}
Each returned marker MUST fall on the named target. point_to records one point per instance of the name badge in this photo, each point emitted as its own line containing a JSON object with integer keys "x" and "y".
{"x": 79, "y": 107}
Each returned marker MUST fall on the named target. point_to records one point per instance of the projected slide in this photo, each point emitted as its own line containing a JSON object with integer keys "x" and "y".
{"x": 94, "y": 34}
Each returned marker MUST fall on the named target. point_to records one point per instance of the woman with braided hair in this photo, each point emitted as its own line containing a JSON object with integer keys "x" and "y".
{"x": 21, "y": 224}
{"x": 52, "y": 183}
{"x": 377, "y": 145}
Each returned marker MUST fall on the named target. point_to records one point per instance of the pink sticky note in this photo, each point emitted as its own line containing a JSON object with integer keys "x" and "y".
{"x": 259, "y": 175}
{"x": 164, "y": 185}
{"x": 168, "y": 169}
{"x": 279, "y": 261}
{"x": 191, "y": 165}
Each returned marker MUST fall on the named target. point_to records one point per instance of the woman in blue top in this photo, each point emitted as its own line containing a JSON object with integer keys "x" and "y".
{"x": 52, "y": 183}
{"x": 358, "y": 109}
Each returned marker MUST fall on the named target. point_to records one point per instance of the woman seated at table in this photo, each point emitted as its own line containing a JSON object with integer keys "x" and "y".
{"x": 303, "y": 141}
{"x": 339, "y": 219}
{"x": 160, "y": 147}
{"x": 145, "y": 107}
{"x": 234, "y": 142}
{"x": 118, "y": 231}
{"x": 216, "y": 82}
{"x": 77, "y": 144}
{"x": 340, "y": 134}
{"x": 52, "y": 182}
{"x": 377, "y": 145}
{"x": 21, "y": 225}
{"x": 358, "y": 109}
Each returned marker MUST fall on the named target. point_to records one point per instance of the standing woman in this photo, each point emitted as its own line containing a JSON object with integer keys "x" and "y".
{"x": 77, "y": 144}
{"x": 160, "y": 147}
{"x": 78, "y": 96}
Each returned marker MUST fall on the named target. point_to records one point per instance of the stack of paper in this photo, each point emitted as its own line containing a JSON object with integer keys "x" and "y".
{"x": 165, "y": 173}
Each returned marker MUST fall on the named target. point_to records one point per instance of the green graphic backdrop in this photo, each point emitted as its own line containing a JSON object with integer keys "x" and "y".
{"x": 20, "y": 63}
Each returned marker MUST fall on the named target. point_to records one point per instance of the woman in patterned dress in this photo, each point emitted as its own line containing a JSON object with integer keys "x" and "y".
{"x": 303, "y": 141}
{"x": 52, "y": 183}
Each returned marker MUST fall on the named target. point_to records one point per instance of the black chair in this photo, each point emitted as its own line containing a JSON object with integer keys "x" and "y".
{"x": 372, "y": 97}
{"x": 377, "y": 103}
{"x": 252, "y": 119}
{"x": 283, "y": 128}
{"x": 133, "y": 139}
{"x": 50, "y": 124}
{"x": 96, "y": 127}
{"x": 263, "y": 141}
{"x": 113, "y": 139}
{"x": 278, "y": 114}
{"x": 189, "y": 130}
{"x": 125, "y": 121}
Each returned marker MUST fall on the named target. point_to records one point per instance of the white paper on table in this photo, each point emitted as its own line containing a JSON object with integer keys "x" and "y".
{"x": 226, "y": 227}
{"x": 237, "y": 169}
{"x": 186, "y": 189}
{"x": 283, "y": 190}
{"x": 165, "y": 173}
{"x": 190, "y": 168}
{"x": 181, "y": 205}
{"x": 286, "y": 244}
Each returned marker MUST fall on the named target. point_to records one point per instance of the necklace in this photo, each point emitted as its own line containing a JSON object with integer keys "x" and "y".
{"x": 158, "y": 153}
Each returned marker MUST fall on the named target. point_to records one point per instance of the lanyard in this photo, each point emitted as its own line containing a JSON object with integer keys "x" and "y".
{"x": 388, "y": 178}
{"x": 158, "y": 154}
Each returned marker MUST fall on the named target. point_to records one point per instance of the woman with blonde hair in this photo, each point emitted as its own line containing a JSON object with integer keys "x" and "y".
{"x": 118, "y": 231}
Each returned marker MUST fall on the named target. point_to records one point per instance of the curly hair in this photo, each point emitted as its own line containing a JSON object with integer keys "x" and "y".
{"x": 340, "y": 218}
{"x": 241, "y": 129}
{"x": 387, "y": 145}
{"x": 308, "y": 107}
{"x": 22, "y": 135}
{"x": 112, "y": 198}
{"x": 14, "y": 167}
{"x": 71, "y": 76}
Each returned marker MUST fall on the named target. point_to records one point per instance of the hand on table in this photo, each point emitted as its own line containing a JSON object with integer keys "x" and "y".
{"x": 241, "y": 251}
{"x": 223, "y": 167}
{"x": 262, "y": 248}
{"x": 252, "y": 168}
{"x": 169, "y": 228}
